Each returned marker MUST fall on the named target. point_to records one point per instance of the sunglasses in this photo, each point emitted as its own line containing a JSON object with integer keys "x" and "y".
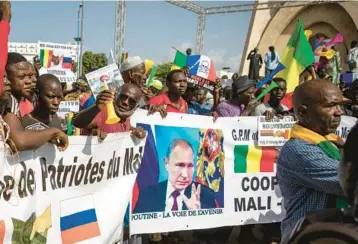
{"x": 131, "y": 101}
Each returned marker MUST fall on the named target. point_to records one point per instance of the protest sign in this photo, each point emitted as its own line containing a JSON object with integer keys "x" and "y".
{"x": 67, "y": 107}
{"x": 216, "y": 171}
{"x": 79, "y": 195}
{"x": 274, "y": 132}
{"x": 57, "y": 59}
{"x": 109, "y": 74}
{"x": 202, "y": 82}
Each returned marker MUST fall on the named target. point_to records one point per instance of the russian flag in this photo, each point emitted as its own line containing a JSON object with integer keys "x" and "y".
{"x": 78, "y": 219}
{"x": 67, "y": 63}
{"x": 201, "y": 66}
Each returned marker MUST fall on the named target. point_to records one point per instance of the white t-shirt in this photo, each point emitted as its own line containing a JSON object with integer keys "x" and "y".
{"x": 263, "y": 107}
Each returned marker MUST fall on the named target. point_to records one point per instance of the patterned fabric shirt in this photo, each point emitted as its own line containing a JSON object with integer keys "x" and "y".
{"x": 226, "y": 109}
{"x": 308, "y": 180}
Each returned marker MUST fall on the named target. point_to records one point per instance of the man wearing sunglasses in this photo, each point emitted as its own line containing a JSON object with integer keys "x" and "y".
{"x": 125, "y": 102}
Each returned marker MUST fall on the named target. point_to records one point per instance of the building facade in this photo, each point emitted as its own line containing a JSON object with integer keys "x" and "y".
{"x": 273, "y": 27}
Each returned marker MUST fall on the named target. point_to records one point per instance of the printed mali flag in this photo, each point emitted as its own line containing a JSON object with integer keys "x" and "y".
{"x": 124, "y": 57}
{"x": 46, "y": 58}
{"x": 254, "y": 159}
{"x": 297, "y": 56}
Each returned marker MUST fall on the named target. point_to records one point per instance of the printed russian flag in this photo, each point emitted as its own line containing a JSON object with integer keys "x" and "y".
{"x": 201, "y": 66}
{"x": 78, "y": 219}
{"x": 254, "y": 159}
{"x": 46, "y": 58}
{"x": 2, "y": 231}
{"x": 67, "y": 63}
{"x": 267, "y": 133}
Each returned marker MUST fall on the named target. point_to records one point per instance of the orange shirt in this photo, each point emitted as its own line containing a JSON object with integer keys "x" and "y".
{"x": 163, "y": 99}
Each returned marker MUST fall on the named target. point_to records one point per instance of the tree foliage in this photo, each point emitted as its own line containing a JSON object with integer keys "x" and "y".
{"x": 162, "y": 71}
{"x": 93, "y": 61}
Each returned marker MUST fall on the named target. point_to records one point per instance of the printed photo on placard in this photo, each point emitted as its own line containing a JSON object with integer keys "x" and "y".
{"x": 109, "y": 75}
{"x": 183, "y": 170}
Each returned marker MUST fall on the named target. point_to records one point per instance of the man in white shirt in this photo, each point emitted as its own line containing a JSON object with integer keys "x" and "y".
{"x": 353, "y": 52}
{"x": 179, "y": 192}
{"x": 274, "y": 106}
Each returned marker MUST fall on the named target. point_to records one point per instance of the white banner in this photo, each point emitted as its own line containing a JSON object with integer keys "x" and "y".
{"x": 216, "y": 171}
{"x": 109, "y": 74}
{"x": 79, "y": 195}
{"x": 57, "y": 59}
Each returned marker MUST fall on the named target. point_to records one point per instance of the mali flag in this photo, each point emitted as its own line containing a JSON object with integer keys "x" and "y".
{"x": 254, "y": 159}
{"x": 46, "y": 58}
{"x": 297, "y": 56}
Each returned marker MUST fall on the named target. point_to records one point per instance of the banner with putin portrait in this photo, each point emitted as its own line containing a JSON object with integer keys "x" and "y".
{"x": 197, "y": 174}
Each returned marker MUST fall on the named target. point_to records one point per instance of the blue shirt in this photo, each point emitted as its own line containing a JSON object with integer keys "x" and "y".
{"x": 271, "y": 64}
{"x": 308, "y": 180}
{"x": 201, "y": 109}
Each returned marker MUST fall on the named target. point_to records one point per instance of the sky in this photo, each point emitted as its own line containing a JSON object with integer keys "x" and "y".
{"x": 152, "y": 28}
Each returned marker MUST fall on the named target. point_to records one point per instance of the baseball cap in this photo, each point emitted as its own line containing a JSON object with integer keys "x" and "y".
{"x": 157, "y": 84}
{"x": 242, "y": 83}
{"x": 130, "y": 63}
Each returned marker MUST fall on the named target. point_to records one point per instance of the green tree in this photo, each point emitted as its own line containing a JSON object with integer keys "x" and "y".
{"x": 93, "y": 61}
{"x": 163, "y": 70}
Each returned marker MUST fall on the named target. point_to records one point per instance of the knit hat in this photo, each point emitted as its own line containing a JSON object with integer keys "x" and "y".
{"x": 242, "y": 84}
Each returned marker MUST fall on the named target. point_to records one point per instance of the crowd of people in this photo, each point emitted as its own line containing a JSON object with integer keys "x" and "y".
{"x": 307, "y": 167}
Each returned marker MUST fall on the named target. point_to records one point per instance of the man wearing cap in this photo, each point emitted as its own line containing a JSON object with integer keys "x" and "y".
{"x": 133, "y": 71}
{"x": 156, "y": 86}
{"x": 241, "y": 102}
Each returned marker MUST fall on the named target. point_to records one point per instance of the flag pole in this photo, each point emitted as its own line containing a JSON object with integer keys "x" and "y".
{"x": 176, "y": 49}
